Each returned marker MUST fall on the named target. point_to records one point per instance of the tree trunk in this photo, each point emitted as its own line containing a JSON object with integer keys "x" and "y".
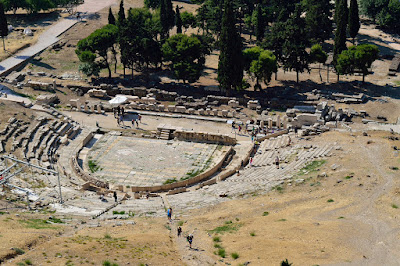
{"x": 132, "y": 73}
{"x": 319, "y": 69}
{"x": 338, "y": 77}
{"x": 297, "y": 76}
{"x": 124, "y": 71}
{"x": 276, "y": 75}
{"x": 4, "y": 45}
{"x": 363, "y": 78}
{"x": 327, "y": 73}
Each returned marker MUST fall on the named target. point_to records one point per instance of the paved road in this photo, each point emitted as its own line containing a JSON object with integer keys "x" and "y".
{"x": 50, "y": 36}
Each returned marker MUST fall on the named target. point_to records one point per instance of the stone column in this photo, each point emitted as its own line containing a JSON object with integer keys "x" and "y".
{"x": 285, "y": 120}
{"x": 278, "y": 121}
{"x": 269, "y": 123}
{"x": 86, "y": 108}
{"x": 99, "y": 108}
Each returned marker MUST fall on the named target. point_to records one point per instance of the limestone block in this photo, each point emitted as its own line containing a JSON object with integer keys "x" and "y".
{"x": 152, "y": 107}
{"x": 201, "y": 111}
{"x": 75, "y": 103}
{"x": 171, "y": 108}
{"x": 161, "y": 107}
{"x": 181, "y": 109}
{"x": 191, "y": 111}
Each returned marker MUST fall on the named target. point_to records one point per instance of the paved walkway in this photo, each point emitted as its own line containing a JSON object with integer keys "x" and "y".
{"x": 50, "y": 36}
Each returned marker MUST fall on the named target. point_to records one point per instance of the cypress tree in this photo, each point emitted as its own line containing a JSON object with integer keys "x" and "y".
{"x": 3, "y": 24}
{"x": 354, "y": 20}
{"x": 260, "y": 27}
{"x": 111, "y": 18}
{"x": 231, "y": 63}
{"x": 178, "y": 20}
{"x": 341, "y": 25}
{"x": 164, "y": 20}
{"x": 170, "y": 13}
{"x": 121, "y": 14}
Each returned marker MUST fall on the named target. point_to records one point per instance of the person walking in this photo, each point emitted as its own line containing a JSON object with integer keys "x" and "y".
{"x": 179, "y": 231}
{"x": 277, "y": 162}
{"x": 189, "y": 238}
{"x": 115, "y": 196}
{"x": 169, "y": 214}
{"x": 251, "y": 161}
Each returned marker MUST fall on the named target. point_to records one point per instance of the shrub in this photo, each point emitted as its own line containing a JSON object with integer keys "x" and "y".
{"x": 394, "y": 206}
{"x": 217, "y": 246}
{"x": 235, "y": 255}
{"x": 216, "y": 239}
{"x": 265, "y": 213}
{"x": 19, "y": 251}
{"x": 253, "y": 233}
{"x": 28, "y": 262}
{"x": 107, "y": 236}
{"x": 330, "y": 200}
{"x": 221, "y": 252}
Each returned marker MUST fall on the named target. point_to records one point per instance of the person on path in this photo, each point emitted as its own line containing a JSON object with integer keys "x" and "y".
{"x": 240, "y": 128}
{"x": 137, "y": 123}
{"x": 140, "y": 118}
{"x": 277, "y": 162}
{"x": 122, "y": 111}
{"x": 179, "y": 231}
{"x": 189, "y": 238}
{"x": 251, "y": 161}
{"x": 289, "y": 141}
{"x": 115, "y": 196}
{"x": 118, "y": 120}
{"x": 121, "y": 119}
{"x": 169, "y": 214}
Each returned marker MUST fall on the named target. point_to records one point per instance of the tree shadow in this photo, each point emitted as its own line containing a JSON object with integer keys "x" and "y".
{"x": 41, "y": 64}
{"x": 384, "y": 50}
{"x": 33, "y": 20}
{"x": 369, "y": 89}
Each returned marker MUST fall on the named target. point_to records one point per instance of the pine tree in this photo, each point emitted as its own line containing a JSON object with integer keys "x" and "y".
{"x": 231, "y": 63}
{"x": 178, "y": 20}
{"x": 341, "y": 26}
{"x": 354, "y": 20}
{"x": 319, "y": 23}
{"x": 121, "y": 14}
{"x": 3, "y": 25}
{"x": 111, "y": 18}
{"x": 296, "y": 40}
{"x": 260, "y": 26}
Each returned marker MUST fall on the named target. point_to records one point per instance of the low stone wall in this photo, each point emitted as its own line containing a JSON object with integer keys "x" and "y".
{"x": 78, "y": 169}
{"x": 185, "y": 183}
{"x": 204, "y": 137}
{"x": 273, "y": 135}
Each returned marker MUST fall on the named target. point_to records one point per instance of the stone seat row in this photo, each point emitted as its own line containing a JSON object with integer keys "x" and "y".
{"x": 182, "y": 110}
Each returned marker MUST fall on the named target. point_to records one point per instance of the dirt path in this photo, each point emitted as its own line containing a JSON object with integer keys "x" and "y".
{"x": 190, "y": 256}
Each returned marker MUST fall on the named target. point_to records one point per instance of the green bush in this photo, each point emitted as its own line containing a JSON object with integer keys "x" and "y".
{"x": 265, "y": 213}
{"x": 235, "y": 255}
{"x": 216, "y": 239}
{"x": 221, "y": 252}
{"x": 330, "y": 200}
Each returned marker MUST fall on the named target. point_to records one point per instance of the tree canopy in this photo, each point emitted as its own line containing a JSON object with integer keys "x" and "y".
{"x": 186, "y": 55}
{"x": 260, "y": 64}
{"x": 358, "y": 57}
{"x": 94, "y": 49}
